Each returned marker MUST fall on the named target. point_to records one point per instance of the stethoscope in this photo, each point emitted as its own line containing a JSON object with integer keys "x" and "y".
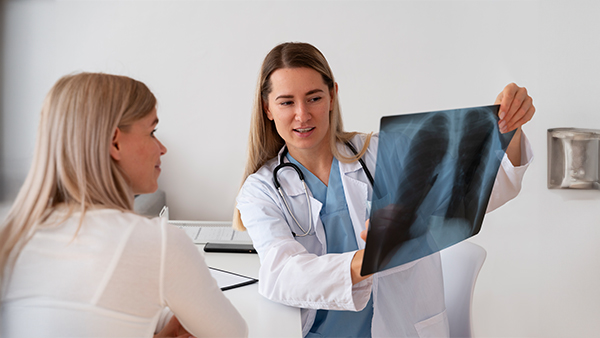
{"x": 301, "y": 176}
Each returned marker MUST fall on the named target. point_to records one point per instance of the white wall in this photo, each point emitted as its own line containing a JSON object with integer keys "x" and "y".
{"x": 201, "y": 59}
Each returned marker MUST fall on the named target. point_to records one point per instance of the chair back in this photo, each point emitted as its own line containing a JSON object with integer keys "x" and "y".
{"x": 460, "y": 266}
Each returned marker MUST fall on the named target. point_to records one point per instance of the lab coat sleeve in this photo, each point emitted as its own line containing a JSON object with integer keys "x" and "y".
{"x": 508, "y": 181}
{"x": 289, "y": 274}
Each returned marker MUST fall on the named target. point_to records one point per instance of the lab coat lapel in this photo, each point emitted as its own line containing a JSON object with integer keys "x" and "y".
{"x": 356, "y": 193}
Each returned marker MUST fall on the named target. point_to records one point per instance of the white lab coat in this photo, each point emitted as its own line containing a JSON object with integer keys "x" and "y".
{"x": 408, "y": 300}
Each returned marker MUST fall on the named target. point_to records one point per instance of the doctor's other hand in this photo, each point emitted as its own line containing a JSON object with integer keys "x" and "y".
{"x": 516, "y": 107}
{"x": 173, "y": 329}
{"x": 363, "y": 234}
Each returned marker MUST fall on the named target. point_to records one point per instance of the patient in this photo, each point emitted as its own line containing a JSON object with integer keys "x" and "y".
{"x": 75, "y": 261}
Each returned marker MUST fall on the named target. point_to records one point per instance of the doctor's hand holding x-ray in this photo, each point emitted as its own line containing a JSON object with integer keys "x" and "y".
{"x": 307, "y": 231}
{"x": 516, "y": 109}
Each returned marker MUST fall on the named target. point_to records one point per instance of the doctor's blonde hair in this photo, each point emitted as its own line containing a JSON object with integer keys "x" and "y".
{"x": 72, "y": 167}
{"x": 264, "y": 142}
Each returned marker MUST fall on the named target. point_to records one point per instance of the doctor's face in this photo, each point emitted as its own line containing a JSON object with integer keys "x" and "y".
{"x": 299, "y": 104}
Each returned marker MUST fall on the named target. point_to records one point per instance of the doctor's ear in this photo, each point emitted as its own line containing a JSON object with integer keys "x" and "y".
{"x": 334, "y": 91}
{"x": 267, "y": 111}
{"x": 115, "y": 148}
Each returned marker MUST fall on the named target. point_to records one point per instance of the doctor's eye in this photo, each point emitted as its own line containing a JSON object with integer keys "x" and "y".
{"x": 153, "y": 131}
{"x": 315, "y": 99}
{"x": 286, "y": 103}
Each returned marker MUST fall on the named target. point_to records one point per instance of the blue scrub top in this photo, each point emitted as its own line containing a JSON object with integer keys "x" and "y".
{"x": 340, "y": 237}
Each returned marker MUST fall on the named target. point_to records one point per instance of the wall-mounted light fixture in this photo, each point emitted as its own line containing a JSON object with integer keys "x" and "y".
{"x": 573, "y": 158}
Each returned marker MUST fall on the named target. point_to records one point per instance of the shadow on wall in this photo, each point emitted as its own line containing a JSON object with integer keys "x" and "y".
{"x": 2, "y": 159}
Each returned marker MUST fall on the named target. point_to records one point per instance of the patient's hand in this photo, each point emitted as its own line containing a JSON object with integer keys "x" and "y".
{"x": 173, "y": 329}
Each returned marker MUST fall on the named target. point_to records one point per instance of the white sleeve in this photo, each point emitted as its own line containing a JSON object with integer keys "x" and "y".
{"x": 192, "y": 294}
{"x": 508, "y": 181}
{"x": 165, "y": 316}
{"x": 290, "y": 274}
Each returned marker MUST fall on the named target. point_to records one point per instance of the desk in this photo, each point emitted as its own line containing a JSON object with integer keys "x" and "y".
{"x": 264, "y": 317}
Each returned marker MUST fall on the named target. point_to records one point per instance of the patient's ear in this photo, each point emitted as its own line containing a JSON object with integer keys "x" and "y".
{"x": 115, "y": 148}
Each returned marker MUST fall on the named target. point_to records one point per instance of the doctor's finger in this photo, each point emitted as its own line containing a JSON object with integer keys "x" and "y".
{"x": 524, "y": 112}
{"x": 520, "y": 122}
{"x": 363, "y": 234}
{"x": 513, "y": 102}
{"x": 520, "y": 111}
{"x": 505, "y": 98}
{"x": 519, "y": 99}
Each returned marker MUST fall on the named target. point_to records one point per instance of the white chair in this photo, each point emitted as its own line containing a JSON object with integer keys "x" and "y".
{"x": 460, "y": 266}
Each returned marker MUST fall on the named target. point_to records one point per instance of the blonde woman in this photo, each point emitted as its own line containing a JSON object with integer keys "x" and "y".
{"x": 75, "y": 260}
{"x": 309, "y": 236}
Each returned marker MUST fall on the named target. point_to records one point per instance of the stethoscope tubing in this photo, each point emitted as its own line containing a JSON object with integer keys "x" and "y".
{"x": 282, "y": 165}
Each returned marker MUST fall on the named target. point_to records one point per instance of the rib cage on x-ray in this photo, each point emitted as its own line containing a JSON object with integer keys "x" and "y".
{"x": 435, "y": 172}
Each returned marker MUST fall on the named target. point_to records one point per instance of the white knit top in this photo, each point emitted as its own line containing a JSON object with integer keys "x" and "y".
{"x": 113, "y": 279}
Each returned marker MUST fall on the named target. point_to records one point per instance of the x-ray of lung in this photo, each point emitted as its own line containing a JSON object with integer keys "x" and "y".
{"x": 434, "y": 176}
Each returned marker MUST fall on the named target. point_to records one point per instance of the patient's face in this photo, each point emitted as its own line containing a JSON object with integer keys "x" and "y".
{"x": 139, "y": 154}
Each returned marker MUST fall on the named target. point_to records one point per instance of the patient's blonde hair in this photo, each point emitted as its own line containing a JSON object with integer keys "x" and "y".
{"x": 72, "y": 166}
{"x": 264, "y": 142}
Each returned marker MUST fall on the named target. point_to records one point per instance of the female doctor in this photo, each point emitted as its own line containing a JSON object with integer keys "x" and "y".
{"x": 308, "y": 235}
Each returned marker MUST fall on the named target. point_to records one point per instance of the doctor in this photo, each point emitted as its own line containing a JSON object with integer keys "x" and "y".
{"x": 308, "y": 237}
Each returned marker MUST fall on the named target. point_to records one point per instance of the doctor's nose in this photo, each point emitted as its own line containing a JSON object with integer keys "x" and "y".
{"x": 302, "y": 113}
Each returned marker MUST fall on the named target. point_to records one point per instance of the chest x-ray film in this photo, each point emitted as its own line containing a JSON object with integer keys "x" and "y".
{"x": 434, "y": 176}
